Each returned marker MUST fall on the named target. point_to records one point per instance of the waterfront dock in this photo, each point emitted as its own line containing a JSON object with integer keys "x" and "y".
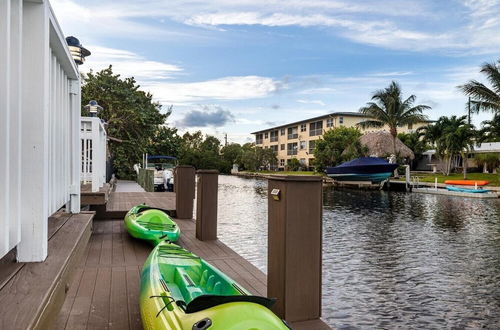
{"x": 104, "y": 292}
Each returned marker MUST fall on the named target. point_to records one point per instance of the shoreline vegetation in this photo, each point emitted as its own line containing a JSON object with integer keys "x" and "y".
{"x": 493, "y": 178}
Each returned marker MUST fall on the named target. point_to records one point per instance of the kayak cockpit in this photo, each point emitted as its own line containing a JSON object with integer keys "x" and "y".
{"x": 207, "y": 301}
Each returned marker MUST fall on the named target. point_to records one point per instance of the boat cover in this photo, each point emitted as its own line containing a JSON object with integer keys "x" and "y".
{"x": 363, "y": 165}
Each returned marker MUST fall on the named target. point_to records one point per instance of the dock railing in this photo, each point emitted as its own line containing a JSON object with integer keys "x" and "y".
{"x": 93, "y": 139}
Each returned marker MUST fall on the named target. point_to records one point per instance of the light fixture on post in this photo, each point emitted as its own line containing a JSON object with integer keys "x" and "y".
{"x": 93, "y": 108}
{"x": 77, "y": 51}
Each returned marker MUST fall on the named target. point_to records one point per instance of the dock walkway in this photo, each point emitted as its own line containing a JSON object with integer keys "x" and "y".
{"x": 128, "y": 186}
{"x": 104, "y": 293}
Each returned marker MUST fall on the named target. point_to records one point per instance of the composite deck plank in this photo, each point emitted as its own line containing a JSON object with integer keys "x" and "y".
{"x": 79, "y": 315}
{"x": 128, "y": 247}
{"x": 99, "y": 312}
{"x": 119, "y": 313}
{"x": 107, "y": 244}
{"x": 63, "y": 316}
{"x": 118, "y": 257}
{"x": 94, "y": 250}
{"x": 133, "y": 284}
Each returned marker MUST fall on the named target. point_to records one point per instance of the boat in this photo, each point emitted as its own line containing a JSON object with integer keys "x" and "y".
{"x": 151, "y": 224}
{"x": 467, "y": 182}
{"x": 179, "y": 290}
{"x": 372, "y": 169}
{"x": 163, "y": 167}
{"x": 467, "y": 190}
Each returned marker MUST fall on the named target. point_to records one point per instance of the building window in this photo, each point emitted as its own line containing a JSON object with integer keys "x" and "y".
{"x": 303, "y": 145}
{"x": 282, "y": 162}
{"x": 312, "y": 145}
{"x": 291, "y": 149}
{"x": 274, "y": 136}
{"x": 258, "y": 138}
{"x": 341, "y": 120}
{"x": 266, "y": 135}
{"x": 282, "y": 147}
{"x": 282, "y": 131}
{"x": 274, "y": 148}
{"x": 316, "y": 128}
{"x": 329, "y": 122}
{"x": 303, "y": 127}
{"x": 302, "y": 161}
{"x": 293, "y": 132}
{"x": 410, "y": 126}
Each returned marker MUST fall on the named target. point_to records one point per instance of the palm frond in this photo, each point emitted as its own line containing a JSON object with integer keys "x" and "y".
{"x": 480, "y": 93}
{"x": 492, "y": 72}
{"x": 370, "y": 124}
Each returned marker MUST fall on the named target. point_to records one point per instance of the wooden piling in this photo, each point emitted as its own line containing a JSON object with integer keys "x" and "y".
{"x": 206, "y": 205}
{"x": 184, "y": 189}
{"x": 294, "y": 246}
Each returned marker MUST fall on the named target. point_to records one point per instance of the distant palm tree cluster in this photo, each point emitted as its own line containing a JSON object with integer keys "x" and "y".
{"x": 450, "y": 136}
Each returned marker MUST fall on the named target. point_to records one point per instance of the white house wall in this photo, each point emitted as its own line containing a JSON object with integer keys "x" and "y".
{"x": 39, "y": 126}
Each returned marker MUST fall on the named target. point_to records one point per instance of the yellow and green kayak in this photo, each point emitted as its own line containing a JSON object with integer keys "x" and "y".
{"x": 179, "y": 290}
{"x": 151, "y": 224}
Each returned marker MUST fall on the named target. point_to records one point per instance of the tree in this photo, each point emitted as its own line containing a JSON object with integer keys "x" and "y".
{"x": 389, "y": 109}
{"x": 265, "y": 157}
{"x": 490, "y": 131}
{"x": 451, "y": 136}
{"x": 337, "y": 145}
{"x": 199, "y": 151}
{"x": 231, "y": 154}
{"x": 414, "y": 141}
{"x": 165, "y": 141}
{"x": 483, "y": 97}
{"x": 294, "y": 164}
{"x": 130, "y": 114}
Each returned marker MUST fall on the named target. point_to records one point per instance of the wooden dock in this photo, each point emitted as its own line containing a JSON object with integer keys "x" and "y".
{"x": 104, "y": 293}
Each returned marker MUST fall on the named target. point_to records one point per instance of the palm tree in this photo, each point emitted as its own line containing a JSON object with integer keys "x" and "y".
{"x": 452, "y": 136}
{"x": 490, "y": 131}
{"x": 484, "y": 98}
{"x": 388, "y": 108}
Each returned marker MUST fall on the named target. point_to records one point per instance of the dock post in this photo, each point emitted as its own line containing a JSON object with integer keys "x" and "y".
{"x": 184, "y": 191}
{"x": 206, "y": 205}
{"x": 295, "y": 245}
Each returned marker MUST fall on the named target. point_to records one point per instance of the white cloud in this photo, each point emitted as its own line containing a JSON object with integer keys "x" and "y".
{"x": 390, "y": 74}
{"x": 129, "y": 64}
{"x": 319, "y": 102}
{"x": 471, "y": 27}
{"x": 226, "y": 88}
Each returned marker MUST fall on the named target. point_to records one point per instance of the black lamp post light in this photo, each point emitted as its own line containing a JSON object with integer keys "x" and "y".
{"x": 77, "y": 50}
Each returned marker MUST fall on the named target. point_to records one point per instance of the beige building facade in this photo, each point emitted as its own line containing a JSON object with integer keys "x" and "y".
{"x": 298, "y": 139}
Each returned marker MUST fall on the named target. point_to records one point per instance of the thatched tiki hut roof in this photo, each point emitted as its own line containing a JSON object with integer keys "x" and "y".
{"x": 381, "y": 144}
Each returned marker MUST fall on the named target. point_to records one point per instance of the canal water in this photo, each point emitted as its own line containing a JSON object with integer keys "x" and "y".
{"x": 390, "y": 260}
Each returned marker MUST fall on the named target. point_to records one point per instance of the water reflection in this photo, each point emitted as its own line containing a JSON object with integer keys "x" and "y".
{"x": 389, "y": 259}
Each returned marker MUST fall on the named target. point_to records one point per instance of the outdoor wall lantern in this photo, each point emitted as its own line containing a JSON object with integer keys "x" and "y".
{"x": 93, "y": 108}
{"x": 77, "y": 50}
{"x": 276, "y": 194}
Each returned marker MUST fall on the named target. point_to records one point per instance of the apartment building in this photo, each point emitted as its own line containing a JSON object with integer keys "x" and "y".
{"x": 298, "y": 139}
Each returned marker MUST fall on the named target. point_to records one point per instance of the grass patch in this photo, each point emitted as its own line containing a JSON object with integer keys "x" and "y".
{"x": 494, "y": 179}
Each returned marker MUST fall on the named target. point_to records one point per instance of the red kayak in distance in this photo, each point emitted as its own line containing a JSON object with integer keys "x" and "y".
{"x": 467, "y": 182}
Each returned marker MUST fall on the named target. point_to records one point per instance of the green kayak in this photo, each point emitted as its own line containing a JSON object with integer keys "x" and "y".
{"x": 179, "y": 290}
{"x": 151, "y": 224}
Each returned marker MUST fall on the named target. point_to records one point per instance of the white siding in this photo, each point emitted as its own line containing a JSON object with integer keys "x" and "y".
{"x": 39, "y": 126}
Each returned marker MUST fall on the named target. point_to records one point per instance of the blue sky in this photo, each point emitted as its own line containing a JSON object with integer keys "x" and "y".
{"x": 235, "y": 67}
